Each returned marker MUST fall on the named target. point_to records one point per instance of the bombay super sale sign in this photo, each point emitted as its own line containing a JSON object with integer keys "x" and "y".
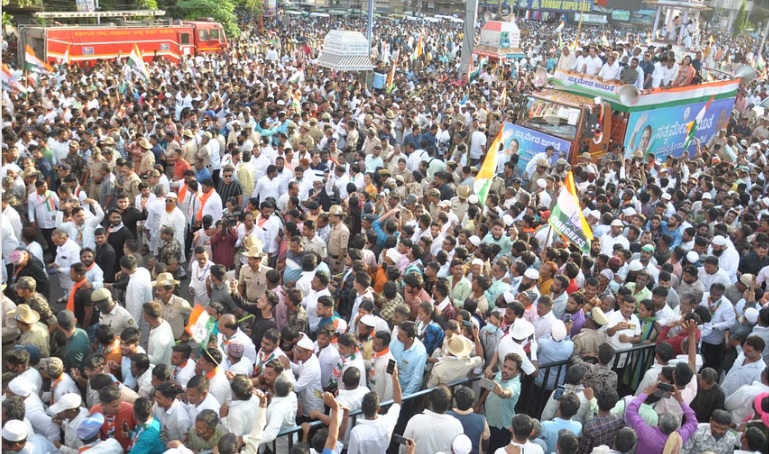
{"x": 663, "y": 131}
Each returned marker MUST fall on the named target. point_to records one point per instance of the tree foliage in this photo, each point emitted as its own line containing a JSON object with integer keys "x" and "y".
{"x": 739, "y": 21}
{"x": 222, "y": 11}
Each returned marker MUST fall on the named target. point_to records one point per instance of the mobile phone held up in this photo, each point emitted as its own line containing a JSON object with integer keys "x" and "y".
{"x": 399, "y": 439}
{"x": 390, "y": 366}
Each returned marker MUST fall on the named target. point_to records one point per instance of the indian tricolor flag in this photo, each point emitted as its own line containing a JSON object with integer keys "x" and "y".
{"x": 297, "y": 77}
{"x": 65, "y": 58}
{"x": 11, "y": 84}
{"x": 489, "y": 168}
{"x": 420, "y": 49}
{"x": 136, "y": 62}
{"x": 200, "y": 326}
{"x": 34, "y": 64}
{"x": 567, "y": 218}
{"x": 391, "y": 77}
{"x": 691, "y": 127}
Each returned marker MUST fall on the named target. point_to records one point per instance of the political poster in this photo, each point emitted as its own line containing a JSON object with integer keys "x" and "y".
{"x": 526, "y": 143}
{"x": 663, "y": 131}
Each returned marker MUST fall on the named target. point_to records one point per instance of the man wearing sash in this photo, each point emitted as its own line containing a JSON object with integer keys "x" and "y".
{"x": 42, "y": 207}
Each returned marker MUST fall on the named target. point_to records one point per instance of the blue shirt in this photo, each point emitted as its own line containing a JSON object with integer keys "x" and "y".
{"x": 550, "y": 430}
{"x": 499, "y": 411}
{"x": 676, "y": 234}
{"x": 411, "y": 364}
{"x": 202, "y": 174}
{"x": 148, "y": 439}
{"x": 551, "y": 351}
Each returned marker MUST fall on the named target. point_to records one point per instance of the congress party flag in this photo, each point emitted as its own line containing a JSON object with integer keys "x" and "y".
{"x": 10, "y": 83}
{"x": 567, "y": 218}
{"x": 691, "y": 127}
{"x": 136, "y": 62}
{"x": 34, "y": 64}
{"x": 200, "y": 326}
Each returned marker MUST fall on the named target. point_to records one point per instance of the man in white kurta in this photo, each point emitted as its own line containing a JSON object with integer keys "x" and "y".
{"x": 138, "y": 292}
{"x": 172, "y": 216}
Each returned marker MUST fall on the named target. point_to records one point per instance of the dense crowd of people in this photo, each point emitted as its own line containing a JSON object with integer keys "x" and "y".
{"x": 249, "y": 253}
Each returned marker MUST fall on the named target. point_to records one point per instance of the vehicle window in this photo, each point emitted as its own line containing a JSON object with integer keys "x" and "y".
{"x": 185, "y": 39}
{"x": 203, "y": 35}
{"x": 213, "y": 35}
{"x": 552, "y": 118}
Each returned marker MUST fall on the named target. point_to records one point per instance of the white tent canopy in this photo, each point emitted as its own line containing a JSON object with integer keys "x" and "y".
{"x": 345, "y": 50}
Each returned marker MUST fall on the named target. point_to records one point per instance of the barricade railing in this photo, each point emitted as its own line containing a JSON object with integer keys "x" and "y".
{"x": 636, "y": 359}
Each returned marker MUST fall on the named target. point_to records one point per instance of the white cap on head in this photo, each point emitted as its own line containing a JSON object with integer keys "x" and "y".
{"x": 635, "y": 265}
{"x": 617, "y": 223}
{"x": 477, "y": 261}
{"x": 707, "y": 196}
{"x": 462, "y": 445}
{"x": 719, "y": 240}
{"x": 542, "y": 183}
{"x": 21, "y": 387}
{"x": 68, "y": 401}
{"x": 596, "y": 214}
{"x": 473, "y": 199}
{"x": 305, "y": 343}
{"x": 531, "y": 273}
{"x": 558, "y": 331}
{"x": 692, "y": 257}
{"x": 751, "y": 315}
{"x": 368, "y": 320}
{"x": 474, "y": 240}
{"x": 15, "y": 430}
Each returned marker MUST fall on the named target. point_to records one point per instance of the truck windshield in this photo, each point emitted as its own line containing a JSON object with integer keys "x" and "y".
{"x": 552, "y": 118}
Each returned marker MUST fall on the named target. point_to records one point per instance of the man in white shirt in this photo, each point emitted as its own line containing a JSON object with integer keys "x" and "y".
{"x": 198, "y": 397}
{"x": 610, "y": 70}
{"x": 138, "y": 292}
{"x": 624, "y": 328}
{"x": 567, "y": 60}
{"x": 34, "y": 411}
{"x": 443, "y": 428}
{"x": 281, "y": 414}
{"x": 171, "y": 413}
{"x": 229, "y": 331}
{"x": 593, "y": 63}
{"x": 477, "y": 145}
{"x": 614, "y": 236}
{"x": 161, "y": 336}
{"x": 67, "y": 254}
{"x": 373, "y": 431}
{"x": 183, "y": 368}
{"x": 268, "y": 185}
{"x": 219, "y": 385}
{"x": 240, "y": 415}
{"x": 69, "y": 412}
{"x": 306, "y": 368}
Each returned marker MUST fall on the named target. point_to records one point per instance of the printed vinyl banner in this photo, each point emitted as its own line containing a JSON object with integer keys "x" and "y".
{"x": 664, "y": 132}
{"x": 526, "y": 143}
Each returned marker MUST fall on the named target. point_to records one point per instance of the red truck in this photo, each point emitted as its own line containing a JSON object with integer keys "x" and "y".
{"x": 86, "y": 44}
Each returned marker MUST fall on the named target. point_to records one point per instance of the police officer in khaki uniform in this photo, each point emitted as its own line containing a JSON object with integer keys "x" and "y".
{"x": 32, "y": 332}
{"x": 337, "y": 240}
{"x": 111, "y": 313}
{"x": 26, "y": 289}
{"x": 174, "y": 309}
{"x": 190, "y": 146}
{"x": 459, "y": 204}
{"x": 253, "y": 278}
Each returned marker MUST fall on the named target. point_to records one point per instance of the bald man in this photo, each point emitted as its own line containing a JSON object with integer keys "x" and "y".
{"x": 229, "y": 331}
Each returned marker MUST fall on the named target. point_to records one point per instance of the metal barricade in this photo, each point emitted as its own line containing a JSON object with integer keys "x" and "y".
{"x": 532, "y": 400}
